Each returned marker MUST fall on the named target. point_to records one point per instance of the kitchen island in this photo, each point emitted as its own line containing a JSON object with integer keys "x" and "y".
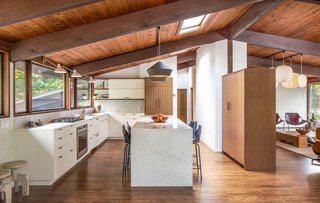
{"x": 161, "y": 153}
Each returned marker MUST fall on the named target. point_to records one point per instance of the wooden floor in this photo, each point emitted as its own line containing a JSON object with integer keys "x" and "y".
{"x": 98, "y": 179}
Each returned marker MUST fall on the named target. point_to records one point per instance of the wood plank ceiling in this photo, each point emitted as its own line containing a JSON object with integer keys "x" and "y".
{"x": 292, "y": 18}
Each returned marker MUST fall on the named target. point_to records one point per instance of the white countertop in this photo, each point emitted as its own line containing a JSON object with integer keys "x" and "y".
{"x": 146, "y": 122}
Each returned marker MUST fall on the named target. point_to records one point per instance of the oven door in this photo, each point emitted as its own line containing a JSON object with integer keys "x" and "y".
{"x": 82, "y": 141}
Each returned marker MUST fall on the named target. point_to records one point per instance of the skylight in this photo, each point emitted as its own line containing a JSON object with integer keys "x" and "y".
{"x": 191, "y": 24}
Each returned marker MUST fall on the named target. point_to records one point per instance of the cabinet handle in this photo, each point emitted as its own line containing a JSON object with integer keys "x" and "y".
{"x": 71, "y": 150}
{"x": 60, "y": 157}
{"x": 71, "y": 133}
{"x": 90, "y": 138}
{"x": 126, "y": 97}
{"x": 60, "y": 129}
{"x": 60, "y": 138}
{"x": 60, "y": 147}
{"x": 71, "y": 126}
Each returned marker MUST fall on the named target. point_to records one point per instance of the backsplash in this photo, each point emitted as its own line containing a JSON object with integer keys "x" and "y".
{"x": 20, "y": 121}
{"x": 121, "y": 106}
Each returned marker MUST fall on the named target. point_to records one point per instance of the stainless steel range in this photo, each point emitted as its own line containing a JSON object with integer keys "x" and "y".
{"x": 82, "y": 140}
{"x": 66, "y": 120}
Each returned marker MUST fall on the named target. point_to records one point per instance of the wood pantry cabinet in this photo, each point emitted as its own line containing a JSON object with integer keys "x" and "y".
{"x": 158, "y": 97}
{"x": 248, "y": 118}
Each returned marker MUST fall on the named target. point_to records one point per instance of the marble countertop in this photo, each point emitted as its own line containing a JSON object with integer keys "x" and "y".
{"x": 146, "y": 122}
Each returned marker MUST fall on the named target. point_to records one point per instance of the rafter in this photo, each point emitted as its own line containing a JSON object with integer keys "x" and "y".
{"x": 13, "y": 11}
{"x": 187, "y": 64}
{"x": 254, "y": 61}
{"x": 278, "y": 42}
{"x": 251, "y": 16}
{"x": 139, "y": 55}
{"x": 117, "y": 26}
{"x": 185, "y": 57}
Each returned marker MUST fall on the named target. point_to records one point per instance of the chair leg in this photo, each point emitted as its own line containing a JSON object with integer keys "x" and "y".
{"x": 8, "y": 192}
{"x": 199, "y": 161}
{"x": 25, "y": 184}
{"x": 288, "y": 126}
{"x": 1, "y": 195}
{"x": 197, "y": 164}
{"x": 124, "y": 161}
{"x": 283, "y": 126}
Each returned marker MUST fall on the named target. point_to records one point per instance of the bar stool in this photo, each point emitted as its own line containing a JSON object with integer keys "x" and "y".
{"x": 126, "y": 153}
{"x": 14, "y": 166}
{"x": 196, "y": 141}
{"x": 5, "y": 185}
{"x": 193, "y": 125}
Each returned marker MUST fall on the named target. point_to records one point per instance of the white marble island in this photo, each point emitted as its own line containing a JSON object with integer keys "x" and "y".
{"x": 161, "y": 153}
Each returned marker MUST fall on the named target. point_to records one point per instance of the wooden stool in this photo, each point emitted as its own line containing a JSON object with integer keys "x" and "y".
{"x": 5, "y": 185}
{"x": 14, "y": 166}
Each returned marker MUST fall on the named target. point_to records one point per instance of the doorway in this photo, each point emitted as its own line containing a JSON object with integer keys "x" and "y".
{"x": 182, "y": 104}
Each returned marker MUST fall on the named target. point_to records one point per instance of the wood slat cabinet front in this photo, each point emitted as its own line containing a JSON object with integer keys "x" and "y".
{"x": 158, "y": 97}
{"x": 248, "y": 118}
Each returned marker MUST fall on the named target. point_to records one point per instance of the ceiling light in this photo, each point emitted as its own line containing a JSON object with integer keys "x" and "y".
{"x": 283, "y": 72}
{"x": 159, "y": 69}
{"x": 91, "y": 80}
{"x": 60, "y": 69}
{"x": 302, "y": 79}
{"x": 75, "y": 74}
{"x": 292, "y": 83}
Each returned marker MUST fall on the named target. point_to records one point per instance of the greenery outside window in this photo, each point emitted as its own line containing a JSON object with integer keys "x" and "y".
{"x": 83, "y": 93}
{"x": 314, "y": 100}
{"x": 48, "y": 89}
{"x": 20, "y": 87}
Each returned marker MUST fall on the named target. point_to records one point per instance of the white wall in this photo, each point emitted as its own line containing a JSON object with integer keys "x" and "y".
{"x": 185, "y": 82}
{"x": 239, "y": 55}
{"x": 291, "y": 100}
{"x": 211, "y": 65}
{"x": 132, "y": 72}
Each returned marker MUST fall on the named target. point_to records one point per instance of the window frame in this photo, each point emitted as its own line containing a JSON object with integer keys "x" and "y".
{"x": 29, "y": 110}
{"x": 75, "y": 94}
{"x": 5, "y": 86}
{"x": 190, "y": 29}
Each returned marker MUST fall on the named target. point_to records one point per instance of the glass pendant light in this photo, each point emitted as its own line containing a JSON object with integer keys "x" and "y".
{"x": 75, "y": 74}
{"x": 159, "y": 71}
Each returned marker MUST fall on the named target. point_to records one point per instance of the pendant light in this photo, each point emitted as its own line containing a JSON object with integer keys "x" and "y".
{"x": 159, "y": 71}
{"x": 293, "y": 82}
{"x": 283, "y": 72}
{"x": 302, "y": 79}
{"x": 60, "y": 69}
{"x": 91, "y": 80}
{"x": 75, "y": 74}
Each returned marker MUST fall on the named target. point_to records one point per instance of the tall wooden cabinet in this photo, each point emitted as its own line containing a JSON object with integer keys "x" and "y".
{"x": 158, "y": 97}
{"x": 248, "y": 125}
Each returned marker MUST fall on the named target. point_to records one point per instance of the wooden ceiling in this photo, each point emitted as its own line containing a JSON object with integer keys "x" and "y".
{"x": 291, "y": 18}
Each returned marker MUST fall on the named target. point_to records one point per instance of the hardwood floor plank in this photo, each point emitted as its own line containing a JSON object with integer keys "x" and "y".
{"x": 98, "y": 179}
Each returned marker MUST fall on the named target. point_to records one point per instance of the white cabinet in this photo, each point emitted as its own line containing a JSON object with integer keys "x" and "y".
{"x": 126, "y": 88}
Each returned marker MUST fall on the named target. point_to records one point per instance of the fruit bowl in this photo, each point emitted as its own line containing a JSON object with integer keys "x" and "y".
{"x": 159, "y": 118}
{"x": 303, "y": 131}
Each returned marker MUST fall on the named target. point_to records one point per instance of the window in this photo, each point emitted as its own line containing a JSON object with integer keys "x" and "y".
{"x": 192, "y": 24}
{"x": 47, "y": 89}
{"x": 20, "y": 87}
{"x": 314, "y": 99}
{"x": 83, "y": 93}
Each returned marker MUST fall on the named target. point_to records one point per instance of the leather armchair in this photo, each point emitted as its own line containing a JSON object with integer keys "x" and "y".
{"x": 279, "y": 120}
{"x": 294, "y": 119}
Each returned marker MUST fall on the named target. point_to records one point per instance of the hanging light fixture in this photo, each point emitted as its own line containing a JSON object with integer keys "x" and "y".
{"x": 293, "y": 82}
{"x": 302, "y": 79}
{"x": 75, "y": 74}
{"x": 283, "y": 72}
{"x": 91, "y": 80}
{"x": 159, "y": 71}
{"x": 60, "y": 69}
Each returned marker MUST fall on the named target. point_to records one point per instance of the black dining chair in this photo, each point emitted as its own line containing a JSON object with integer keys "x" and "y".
{"x": 196, "y": 140}
{"x": 193, "y": 125}
{"x": 126, "y": 153}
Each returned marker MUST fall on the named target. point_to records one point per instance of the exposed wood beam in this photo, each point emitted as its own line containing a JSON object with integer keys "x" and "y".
{"x": 251, "y": 16}
{"x": 139, "y": 55}
{"x": 278, "y": 42}
{"x": 117, "y": 26}
{"x": 230, "y": 56}
{"x": 185, "y": 57}
{"x": 187, "y": 64}
{"x": 13, "y": 11}
{"x": 5, "y": 46}
{"x": 254, "y": 61}
{"x": 311, "y": 1}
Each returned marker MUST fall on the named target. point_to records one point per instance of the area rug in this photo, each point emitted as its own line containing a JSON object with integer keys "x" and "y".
{"x": 307, "y": 152}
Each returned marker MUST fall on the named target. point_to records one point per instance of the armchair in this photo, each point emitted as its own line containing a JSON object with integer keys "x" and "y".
{"x": 279, "y": 120}
{"x": 294, "y": 119}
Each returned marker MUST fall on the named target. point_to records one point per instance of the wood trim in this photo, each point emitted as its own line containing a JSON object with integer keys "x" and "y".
{"x": 282, "y": 43}
{"x": 21, "y": 10}
{"x": 185, "y": 57}
{"x": 148, "y": 53}
{"x": 29, "y": 86}
{"x": 230, "y": 56}
{"x": 187, "y": 64}
{"x": 5, "y": 90}
{"x": 254, "y": 61}
{"x": 124, "y": 24}
{"x": 5, "y": 46}
{"x": 256, "y": 12}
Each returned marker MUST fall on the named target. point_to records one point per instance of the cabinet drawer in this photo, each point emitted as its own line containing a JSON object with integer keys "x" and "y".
{"x": 61, "y": 132}
{"x": 69, "y": 140}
